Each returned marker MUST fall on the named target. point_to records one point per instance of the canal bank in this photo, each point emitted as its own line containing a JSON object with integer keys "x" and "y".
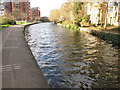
{"x": 112, "y": 36}
{"x": 19, "y": 68}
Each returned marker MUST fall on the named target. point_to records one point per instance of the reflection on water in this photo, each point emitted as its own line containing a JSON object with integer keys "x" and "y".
{"x": 73, "y": 59}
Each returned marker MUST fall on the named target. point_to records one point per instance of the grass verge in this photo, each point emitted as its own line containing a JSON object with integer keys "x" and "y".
{"x": 3, "y": 26}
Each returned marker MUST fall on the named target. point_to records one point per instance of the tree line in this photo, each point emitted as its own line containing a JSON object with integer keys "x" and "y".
{"x": 75, "y": 13}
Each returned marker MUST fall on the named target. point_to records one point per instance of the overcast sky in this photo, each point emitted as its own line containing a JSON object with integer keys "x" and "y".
{"x": 46, "y": 5}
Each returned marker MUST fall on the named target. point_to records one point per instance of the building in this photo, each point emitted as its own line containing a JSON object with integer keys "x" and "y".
{"x": 113, "y": 16}
{"x": 101, "y": 12}
{"x": 25, "y": 8}
{"x": 21, "y": 9}
{"x": 35, "y": 14}
{"x": 6, "y": 8}
{"x": 94, "y": 9}
{"x": 44, "y": 19}
{"x": 2, "y": 8}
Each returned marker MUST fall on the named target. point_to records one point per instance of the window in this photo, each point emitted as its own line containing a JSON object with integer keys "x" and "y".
{"x": 1, "y": 13}
{"x": 16, "y": 1}
{"x": 17, "y": 6}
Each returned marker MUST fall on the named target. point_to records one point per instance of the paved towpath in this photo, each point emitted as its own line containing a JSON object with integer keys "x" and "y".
{"x": 19, "y": 68}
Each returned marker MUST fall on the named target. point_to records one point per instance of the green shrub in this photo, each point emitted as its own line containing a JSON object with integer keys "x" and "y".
{"x": 85, "y": 21}
{"x": 8, "y": 21}
{"x": 5, "y": 21}
{"x": 108, "y": 25}
{"x": 71, "y": 26}
{"x": 102, "y": 23}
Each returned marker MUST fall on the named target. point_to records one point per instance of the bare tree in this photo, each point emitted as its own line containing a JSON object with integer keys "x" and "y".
{"x": 16, "y": 14}
{"x": 19, "y": 15}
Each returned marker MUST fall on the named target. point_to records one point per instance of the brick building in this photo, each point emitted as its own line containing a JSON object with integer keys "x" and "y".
{"x": 8, "y": 8}
{"x": 1, "y": 8}
{"x": 35, "y": 14}
{"x": 5, "y": 8}
{"x": 21, "y": 9}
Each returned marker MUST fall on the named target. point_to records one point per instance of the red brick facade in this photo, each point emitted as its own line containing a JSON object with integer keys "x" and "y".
{"x": 23, "y": 7}
{"x": 5, "y": 8}
{"x": 20, "y": 10}
{"x": 35, "y": 14}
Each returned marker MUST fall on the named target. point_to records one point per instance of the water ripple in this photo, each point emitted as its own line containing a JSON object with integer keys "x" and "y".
{"x": 73, "y": 59}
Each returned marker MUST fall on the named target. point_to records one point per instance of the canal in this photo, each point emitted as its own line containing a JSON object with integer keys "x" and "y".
{"x": 73, "y": 59}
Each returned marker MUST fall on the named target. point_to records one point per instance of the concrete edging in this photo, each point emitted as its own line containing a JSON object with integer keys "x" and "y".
{"x": 113, "y": 37}
{"x": 24, "y": 31}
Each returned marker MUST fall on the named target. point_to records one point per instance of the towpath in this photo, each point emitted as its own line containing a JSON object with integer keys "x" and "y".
{"x": 19, "y": 68}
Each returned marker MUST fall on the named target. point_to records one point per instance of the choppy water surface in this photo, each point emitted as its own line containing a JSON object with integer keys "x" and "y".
{"x": 73, "y": 59}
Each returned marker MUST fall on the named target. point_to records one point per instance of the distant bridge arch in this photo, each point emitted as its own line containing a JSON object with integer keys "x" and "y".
{"x": 44, "y": 19}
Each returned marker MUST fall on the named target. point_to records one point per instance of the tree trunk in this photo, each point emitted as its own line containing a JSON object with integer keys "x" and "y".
{"x": 105, "y": 25}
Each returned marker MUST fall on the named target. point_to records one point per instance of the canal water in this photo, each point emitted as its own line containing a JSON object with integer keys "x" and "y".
{"x": 73, "y": 59}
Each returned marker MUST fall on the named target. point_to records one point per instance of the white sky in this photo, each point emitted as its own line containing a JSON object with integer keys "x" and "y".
{"x": 46, "y": 5}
